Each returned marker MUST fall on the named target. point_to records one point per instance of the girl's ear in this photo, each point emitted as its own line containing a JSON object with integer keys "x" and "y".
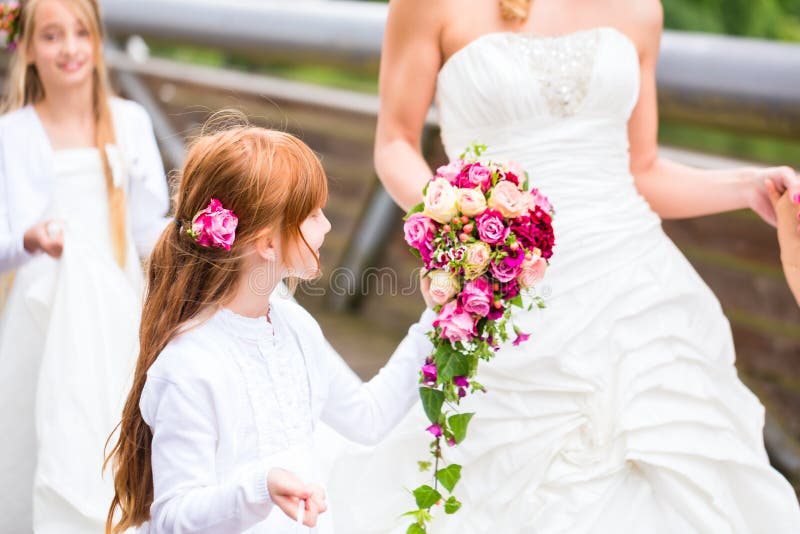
{"x": 267, "y": 246}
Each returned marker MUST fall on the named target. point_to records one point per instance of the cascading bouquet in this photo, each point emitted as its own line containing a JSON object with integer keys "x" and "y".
{"x": 483, "y": 237}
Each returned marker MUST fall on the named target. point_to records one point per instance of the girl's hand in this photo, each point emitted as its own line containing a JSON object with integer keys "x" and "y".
{"x": 46, "y": 236}
{"x": 286, "y": 490}
{"x": 788, "y": 217}
{"x": 425, "y": 289}
{"x": 784, "y": 180}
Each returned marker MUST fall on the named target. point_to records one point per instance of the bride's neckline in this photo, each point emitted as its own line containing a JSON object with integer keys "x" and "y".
{"x": 531, "y": 35}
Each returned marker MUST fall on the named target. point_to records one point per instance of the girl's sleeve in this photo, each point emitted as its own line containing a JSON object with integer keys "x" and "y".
{"x": 367, "y": 411}
{"x": 148, "y": 192}
{"x": 188, "y": 498}
{"x": 12, "y": 250}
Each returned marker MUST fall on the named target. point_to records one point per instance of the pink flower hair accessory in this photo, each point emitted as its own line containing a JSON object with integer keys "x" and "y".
{"x": 214, "y": 226}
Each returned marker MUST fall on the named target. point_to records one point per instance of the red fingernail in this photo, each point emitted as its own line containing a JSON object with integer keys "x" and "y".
{"x": 796, "y": 198}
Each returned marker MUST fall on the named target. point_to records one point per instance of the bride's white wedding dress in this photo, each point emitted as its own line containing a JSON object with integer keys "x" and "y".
{"x": 624, "y": 412}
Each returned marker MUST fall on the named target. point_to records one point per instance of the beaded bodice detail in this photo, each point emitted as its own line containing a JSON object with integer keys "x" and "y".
{"x": 504, "y": 79}
{"x": 563, "y": 67}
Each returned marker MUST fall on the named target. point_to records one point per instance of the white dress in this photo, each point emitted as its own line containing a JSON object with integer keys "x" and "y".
{"x": 68, "y": 342}
{"x": 623, "y": 413}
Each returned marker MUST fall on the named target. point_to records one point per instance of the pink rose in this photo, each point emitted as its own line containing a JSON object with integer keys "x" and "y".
{"x": 477, "y": 296}
{"x": 508, "y": 200}
{"x": 475, "y": 175}
{"x": 476, "y": 259}
{"x": 456, "y": 324}
{"x": 506, "y": 269}
{"x": 444, "y": 286}
{"x": 538, "y": 199}
{"x": 531, "y": 272}
{"x": 471, "y": 202}
{"x": 491, "y": 227}
{"x": 480, "y": 176}
{"x": 450, "y": 171}
{"x": 515, "y": 167}
{"x": 440, "y": 201}
{"x": 419, "y": 231}
{"x": 214, "y": 226}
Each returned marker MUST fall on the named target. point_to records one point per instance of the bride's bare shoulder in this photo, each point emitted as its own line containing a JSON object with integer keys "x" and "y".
{"x": 423, "y": 15}
{"x": 442, "y": 15}
{"x": 643, "y": 21}
{"x": 643, "y": 15}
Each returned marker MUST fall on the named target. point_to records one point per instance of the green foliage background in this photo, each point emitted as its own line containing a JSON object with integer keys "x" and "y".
{"x": 770, "y": 19}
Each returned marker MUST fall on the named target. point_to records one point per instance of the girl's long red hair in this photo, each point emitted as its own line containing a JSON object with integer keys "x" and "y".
{"x": 270, "y": 180}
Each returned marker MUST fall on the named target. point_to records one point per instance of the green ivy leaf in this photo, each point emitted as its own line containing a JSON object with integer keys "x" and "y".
{"x": 432, "y": 400}
{"x": 416, "y": 253}
{"x": 449, "y": 476}
{"x": 424, "y": 466}
{"x": 426, "y": 496}
{"x": 458, "y": 424}
{"x": 416, "y": 209}
{"x": 414, "y": 528}
{"x": 450, "y": 363}
{"x": 451, "y": 505}
{"x": 421, "y": 516}
{"x": 516, "y": 301}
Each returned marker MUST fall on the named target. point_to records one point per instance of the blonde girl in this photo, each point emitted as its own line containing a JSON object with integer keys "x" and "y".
{"x": 82, "y": 195}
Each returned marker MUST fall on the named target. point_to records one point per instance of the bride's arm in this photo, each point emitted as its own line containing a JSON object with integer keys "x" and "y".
{"x": 410, "y": 60}
{"x": 678, "y": 191}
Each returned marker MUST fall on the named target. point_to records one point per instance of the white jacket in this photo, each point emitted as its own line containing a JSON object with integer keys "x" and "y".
{"x": 26, "y": 174}
{"x": 220, "y": 404}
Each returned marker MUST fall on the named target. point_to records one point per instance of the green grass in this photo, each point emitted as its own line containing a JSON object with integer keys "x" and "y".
{"x": 736, "y": 145}
{"x": 764, "y": 325}
{"x": 731, "y": 262}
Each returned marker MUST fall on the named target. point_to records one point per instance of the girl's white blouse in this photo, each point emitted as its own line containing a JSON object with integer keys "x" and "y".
{"x": 234, "y": 396}
{"x": 27, "y": 174}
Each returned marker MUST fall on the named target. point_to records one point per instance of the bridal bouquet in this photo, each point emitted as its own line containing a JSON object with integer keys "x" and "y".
{"x": 483, "y": 237}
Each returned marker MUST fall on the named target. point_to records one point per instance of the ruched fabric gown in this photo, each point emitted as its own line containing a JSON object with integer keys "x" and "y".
{"x": 623, "y": 413}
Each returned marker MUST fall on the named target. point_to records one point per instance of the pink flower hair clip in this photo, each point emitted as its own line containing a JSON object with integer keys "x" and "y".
{"x": 9, "y": 24}
{"x": 214, "y": 226}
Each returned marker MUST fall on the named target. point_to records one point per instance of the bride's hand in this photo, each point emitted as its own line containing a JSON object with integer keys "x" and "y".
{"x": 46, "y": 236}
{"x": 785, "y": 179}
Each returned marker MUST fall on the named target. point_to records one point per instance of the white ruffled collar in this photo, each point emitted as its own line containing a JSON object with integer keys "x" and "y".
{"x": 249, "y": 328}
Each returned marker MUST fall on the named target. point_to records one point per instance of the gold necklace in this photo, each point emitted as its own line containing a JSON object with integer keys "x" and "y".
{"x": 515, "y": 10}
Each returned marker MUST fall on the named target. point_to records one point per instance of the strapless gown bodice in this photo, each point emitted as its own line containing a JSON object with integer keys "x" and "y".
{"x": 559, "y": 106}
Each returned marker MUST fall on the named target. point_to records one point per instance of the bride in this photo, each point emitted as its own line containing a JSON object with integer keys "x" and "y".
{"x": 624, "y": 412}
